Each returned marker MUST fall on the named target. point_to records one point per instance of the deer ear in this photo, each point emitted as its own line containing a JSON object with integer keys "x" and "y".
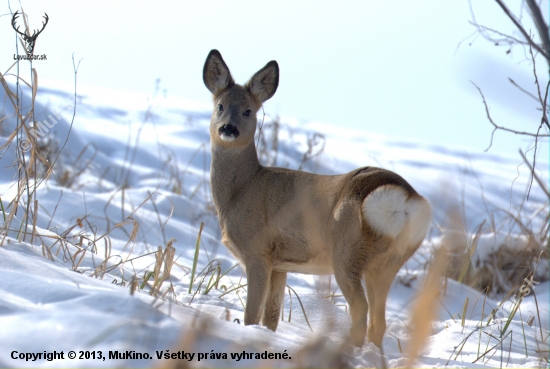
{"x": 215, "y": 74}
{"x": 265, "y": 82}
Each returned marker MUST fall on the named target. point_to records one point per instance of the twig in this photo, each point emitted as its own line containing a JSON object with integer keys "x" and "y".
{"x": 544, "y": 118}
{"x": 519, "y": 26}
{"x": 537, "y": 178}
{"x": 489, "y": 350}
{"x": 497, "y": 127}
{"x": 510, "y": 40}
{"x": 542, "y": 27}
{"x": 301, "y": 306}
{"x": 75, "y": 69}
{"x": 523, "y": 90}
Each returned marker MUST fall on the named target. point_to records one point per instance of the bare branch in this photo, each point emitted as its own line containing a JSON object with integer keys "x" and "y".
{"x": 542, "y": 101}
{"x": 542, "y": 27}
{"x": 545, "y": 105}
{"x": 537, "y": 178}
{"x": 497, "y": 127}
{"x": 519, "y": 26}
{"x": 484, "y": 31}
{"x": 540, "y": 96}
{"x": 523, "y": 90}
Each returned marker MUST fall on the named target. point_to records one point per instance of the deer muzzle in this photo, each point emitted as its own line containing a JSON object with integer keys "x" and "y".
{"x": 228, "y": 132}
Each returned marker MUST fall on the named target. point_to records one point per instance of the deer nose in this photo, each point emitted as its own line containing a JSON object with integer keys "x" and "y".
{"x": 228, "y": 130}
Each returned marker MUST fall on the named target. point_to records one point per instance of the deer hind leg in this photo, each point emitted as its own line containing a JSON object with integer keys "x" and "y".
{"x": 274, "y": 300}
{"x": 348, "y": 276}
{"x": 401, "y": 222}
{"x": 371, "y": 298}
{"x": 379, "y": 276}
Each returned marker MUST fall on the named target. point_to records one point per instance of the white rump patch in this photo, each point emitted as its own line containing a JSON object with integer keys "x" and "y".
{"x": 385, "y": 210}
{"x": 227, "y": 138}
{"x": 389, "y": 212}
{"x": 420, "y": 213}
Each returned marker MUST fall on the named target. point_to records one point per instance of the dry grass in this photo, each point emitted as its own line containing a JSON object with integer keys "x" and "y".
{"x": 164, "y": 260}
{"x": 496, "y": 254}
{"x": 425, "y": 308}
{"x": 38, "y": 160}
{"x": 271, "y": 152}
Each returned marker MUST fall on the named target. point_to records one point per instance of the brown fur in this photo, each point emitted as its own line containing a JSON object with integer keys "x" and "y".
{"x": 277, "y": 220}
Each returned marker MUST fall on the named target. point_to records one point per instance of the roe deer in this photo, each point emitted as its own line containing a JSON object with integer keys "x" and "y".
{"x": 363, "y": 224}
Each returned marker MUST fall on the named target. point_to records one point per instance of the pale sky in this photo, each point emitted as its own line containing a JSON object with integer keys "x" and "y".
{"x": 391, "y": 67}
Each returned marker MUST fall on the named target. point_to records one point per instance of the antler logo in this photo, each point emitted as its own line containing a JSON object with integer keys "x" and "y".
{"x": 29, "y": 39}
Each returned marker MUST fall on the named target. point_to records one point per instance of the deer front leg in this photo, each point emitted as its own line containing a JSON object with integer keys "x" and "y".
{"x": 275, "y": 300}
{"x": 258, "y": 274}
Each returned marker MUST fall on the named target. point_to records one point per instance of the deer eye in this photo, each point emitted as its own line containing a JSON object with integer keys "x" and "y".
{"x": 247, "y": 113}
{"x": 220, "y": 107}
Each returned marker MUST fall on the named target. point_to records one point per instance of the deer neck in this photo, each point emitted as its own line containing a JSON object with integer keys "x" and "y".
{"x": 231, "y": 171}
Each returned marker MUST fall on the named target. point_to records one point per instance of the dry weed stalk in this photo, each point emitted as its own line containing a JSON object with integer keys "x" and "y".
{"x": 425, "y": 308}
{"x": 35, "y": 157}
{"x": 269, "y": 148}
{"x": 164, "y": 260}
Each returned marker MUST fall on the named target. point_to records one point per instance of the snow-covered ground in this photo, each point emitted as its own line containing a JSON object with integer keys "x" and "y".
{"x": 134, "y": 176}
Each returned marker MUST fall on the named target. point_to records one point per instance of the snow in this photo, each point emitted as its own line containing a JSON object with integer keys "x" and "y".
{"x": 138, "y": 170}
